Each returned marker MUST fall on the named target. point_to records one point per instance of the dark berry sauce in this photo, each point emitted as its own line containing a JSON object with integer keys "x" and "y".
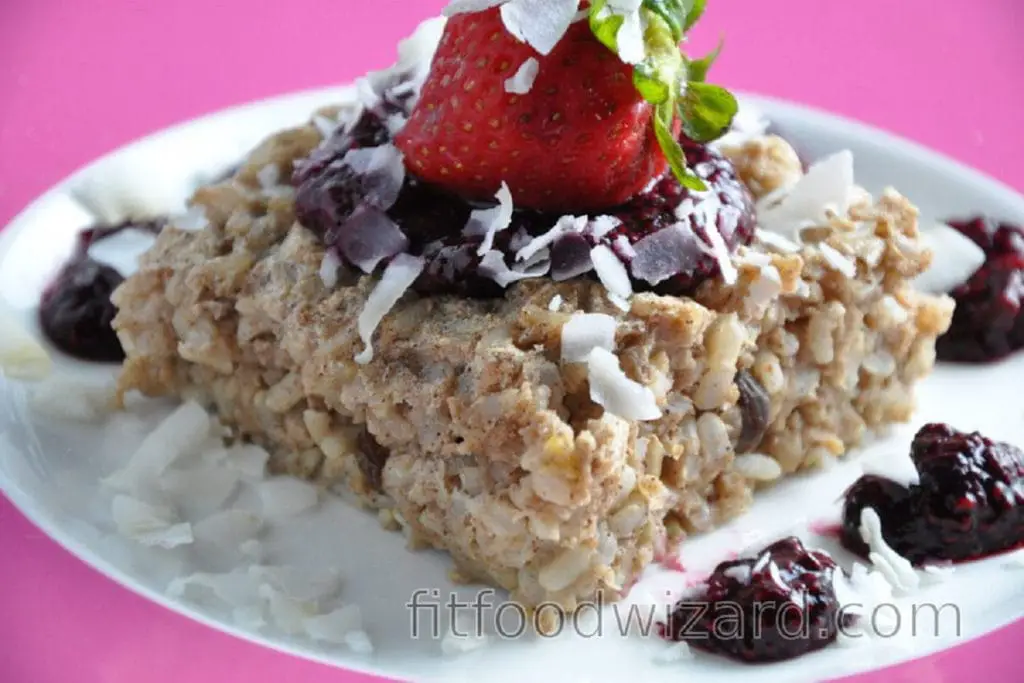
{"x": 987, "y": 323}
{"x": 75, "y": 312}
{"x": 332, "y": 198}
{"x": 969, "y": 502}
{"x": 777, "y": 605}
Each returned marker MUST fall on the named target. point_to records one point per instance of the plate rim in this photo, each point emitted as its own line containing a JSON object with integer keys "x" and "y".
{"x": 323, "y": 96}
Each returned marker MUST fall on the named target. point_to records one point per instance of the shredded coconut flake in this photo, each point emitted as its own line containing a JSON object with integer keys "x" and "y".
{"x": 335, "y": 626}
{"x": 539, "y": 23}
{"x": 369, "y": 237}
{"x": 182, "y": 433}
{"x": 564, "y": 226}
{"x": 489, "y": 222}
{"x": 396, "y": 280}
{"x": 493, "y": 265}
{"x": 286, "y": 497}
{"x": 523, "y": 80}
{"x": 555, "y": 303}
{"x": 611, "y": 271}
{"x": 602, "y": 225}
{"x": 383, "y": 173}
{"x": 122, "y": 250}
{"x": 896, "y": 568}
{"x": 65, "y": 398}
{"x": 584, "y": 332}
{"x": 150, "y": 525}
{"x": 838, "y": 261}
{"x": 617, "y": 393}
{"x": 329, "y": 267}
{"x": 721, "y": 253}
{"x": 324, "y": 125}
{"x": 228, "y": 528}
{"x": 21, "y": 356}
{"x": 827, "y": 182}
{"x": 665, "y": 253}
{"x": 778, "y": 242}
{"x": 955, "y": 258}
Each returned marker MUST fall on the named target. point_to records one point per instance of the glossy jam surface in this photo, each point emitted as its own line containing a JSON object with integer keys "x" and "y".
{"x": 777, "y": 605}
{"x": 75, "y": 312}
{"x": 969, "y": 502}
{"x": 987, "y": 323}
{"x": 332, "y": 198}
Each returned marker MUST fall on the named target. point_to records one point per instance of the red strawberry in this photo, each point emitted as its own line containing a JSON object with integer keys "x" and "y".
{"x": 581, "y": 139}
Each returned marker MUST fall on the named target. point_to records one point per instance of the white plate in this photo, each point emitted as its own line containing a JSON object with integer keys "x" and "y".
{"x": 51, "y": 470}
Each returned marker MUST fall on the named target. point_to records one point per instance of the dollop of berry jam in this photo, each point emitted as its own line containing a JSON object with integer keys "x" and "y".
{"x": 778, "y": 605}
{"x": 75, "y": 312}
{"x": 969, "y": 502}
{"x": 429, "y": 221}
{"x": 987, "y": 323}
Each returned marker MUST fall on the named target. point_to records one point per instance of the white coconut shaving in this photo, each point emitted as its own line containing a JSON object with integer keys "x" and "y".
{"x": 122, "y": 250}
{"x": 827, "y": 183}
{"x": 522, "y": 81}
{"x": 955, "y": 258}
{"x": 664, "y": 253}
{"x": 148, "y": 524}
{"x": 564, "y": 226}
{"x": 757, "y": 467}
{"x": 383, "y": 171}
{"x": 555, "y": 303}
{"x": 837, "y": 260}
{"x": 249, "y": 460}
{"x": 182, "y": 433}
{"x": 228, "y": 528}
{"x": 619, "y": 302}
{"x": 540, "y": 24}
{"x": 896, "y": 568}
{"x": 720, "y": 250}
{"x": 777, "y": 242}
{"x": 617, "y": 393}
{"x": 396, "y": 280}
{"x": 329, "y": 267}
{"x": 584, "y": 332}
{"x": 324, "y": 125}
{"x": 936, "y": 573}
{"x": 204, "y": 487}
{"x": 489, "y": 222}
{"x": 602, "y": 225}
{"x": 286, "y": 497}
{"x": 493, "y": 265}
{"x": 369, "y": 237}
{"x": 66, "y": 398}
{"x": 21, "y": 356}
{"x": 463, "y": 636}
{"x": 611, "y": 271}
{"x": 335, "y": 627}
{"x": 236, "y": 588}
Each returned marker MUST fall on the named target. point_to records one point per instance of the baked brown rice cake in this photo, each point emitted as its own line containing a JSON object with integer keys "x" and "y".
{"x": 476, "y": 429}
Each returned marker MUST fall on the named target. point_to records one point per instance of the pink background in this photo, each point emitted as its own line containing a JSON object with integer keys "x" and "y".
{"x": 81, "y": 77}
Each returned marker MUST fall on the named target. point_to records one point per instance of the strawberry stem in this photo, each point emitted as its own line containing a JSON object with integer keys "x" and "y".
{"x": 666, "y": 78}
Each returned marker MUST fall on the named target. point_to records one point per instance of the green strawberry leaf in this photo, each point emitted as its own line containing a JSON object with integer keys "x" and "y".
{"x": 707, "y": 111}
{"x": 694, "y": 14}
{"x": 698, "y": 68}
{"x": 663, "y": 117}
{"x": 605, "y": 25}
{"x": 673, "y": 12}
